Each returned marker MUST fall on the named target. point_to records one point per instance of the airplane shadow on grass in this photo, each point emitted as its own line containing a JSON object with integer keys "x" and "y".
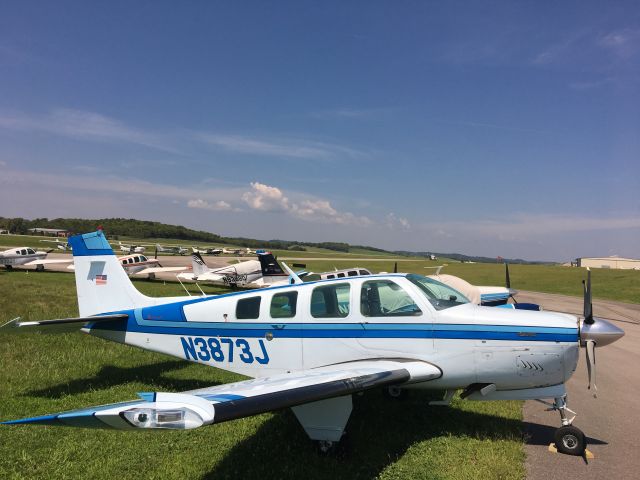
{"x": 379, "y": 432}
{"x": 110, "y": 376}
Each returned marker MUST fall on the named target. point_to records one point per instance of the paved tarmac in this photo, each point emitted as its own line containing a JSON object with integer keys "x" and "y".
{"x": 610, "y": 420}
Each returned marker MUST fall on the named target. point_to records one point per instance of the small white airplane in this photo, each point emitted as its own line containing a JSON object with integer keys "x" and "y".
{"x": 64, "y": 246}
{"x": 138, "y": 264}
{"x": 207, "y": 250}
{"x": 485, "y": 295}
{"x": 27, "y": 257}
{"x": 310, "y": 346}
{"x": 247, "y": 274}
{"x": 240, "y": 251}
{"x": 125, "y": 248}
{"x": 171, "y": 249}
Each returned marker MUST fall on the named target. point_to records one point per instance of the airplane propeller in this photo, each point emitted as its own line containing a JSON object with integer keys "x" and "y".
{"x": 507, "y": 282}
{"x": 395, "y": 268}
{"x": 594, "y": 333}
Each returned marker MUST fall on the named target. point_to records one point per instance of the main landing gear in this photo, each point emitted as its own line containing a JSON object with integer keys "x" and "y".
{"x": 569, "y": 439}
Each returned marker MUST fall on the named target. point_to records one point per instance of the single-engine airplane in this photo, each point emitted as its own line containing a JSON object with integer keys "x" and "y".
{"x": 485, "y": 295}
{"x": 125, "y": 248}
{"x": 171, "y": 249}
{"x": 310, "y": 346}
{"x": 27, "y": 257}
{"x": 260, "y": 273}
{"x": 207, "y": 250}
{"x": 64, "y": 246}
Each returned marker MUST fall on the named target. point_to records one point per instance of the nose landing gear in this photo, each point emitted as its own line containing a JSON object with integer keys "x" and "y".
{"x": 569, "y": 439}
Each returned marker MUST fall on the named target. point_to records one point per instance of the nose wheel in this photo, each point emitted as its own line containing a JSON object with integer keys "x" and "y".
{"x": 570, "y": 440}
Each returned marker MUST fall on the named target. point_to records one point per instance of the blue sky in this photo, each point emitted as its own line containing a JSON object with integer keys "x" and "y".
{"x": 488, "y": 128}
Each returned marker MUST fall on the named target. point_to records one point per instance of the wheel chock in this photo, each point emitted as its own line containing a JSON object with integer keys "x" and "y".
{"x": 587, "y": 453}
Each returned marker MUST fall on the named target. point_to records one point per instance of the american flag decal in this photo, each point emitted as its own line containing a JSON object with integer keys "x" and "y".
{"x": 101, "y": 279}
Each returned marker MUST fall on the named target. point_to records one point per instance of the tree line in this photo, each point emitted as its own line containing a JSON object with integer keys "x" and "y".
{"x": 131, "y": 227}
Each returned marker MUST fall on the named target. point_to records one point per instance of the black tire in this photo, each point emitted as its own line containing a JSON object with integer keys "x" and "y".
{"x": 396, "y": 393}
{"x": 570, "y": 440}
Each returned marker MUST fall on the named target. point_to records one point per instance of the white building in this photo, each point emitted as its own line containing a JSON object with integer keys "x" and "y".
{"x": 610, "y": 262}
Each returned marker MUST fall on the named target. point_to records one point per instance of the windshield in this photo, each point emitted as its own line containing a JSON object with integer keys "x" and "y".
{"x": 441, "y": 296}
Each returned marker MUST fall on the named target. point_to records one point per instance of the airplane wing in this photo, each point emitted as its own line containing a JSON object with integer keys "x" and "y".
{"x": 222, "y": 403}
{"x": 149, "y": 270}
{"x": 46, "y": 262}
{"x": 59, "y": 325}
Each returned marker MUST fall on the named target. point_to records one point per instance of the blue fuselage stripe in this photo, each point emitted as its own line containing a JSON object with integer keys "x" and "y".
{"x": 348, "y": 330}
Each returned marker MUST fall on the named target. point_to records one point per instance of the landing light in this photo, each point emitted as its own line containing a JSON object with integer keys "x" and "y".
{"x": 175, "y": 418}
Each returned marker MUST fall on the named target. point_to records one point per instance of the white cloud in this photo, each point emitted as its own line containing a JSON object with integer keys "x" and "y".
{"x": 271, "y": 199}
{"x": 623, "y": 43}
{"x": 265, "y": 198}
{"x": 219, "y": 206}
{"x": 83, "y": 125}
{"x": 293, "y": 148}
{"x": 395, "y": 222}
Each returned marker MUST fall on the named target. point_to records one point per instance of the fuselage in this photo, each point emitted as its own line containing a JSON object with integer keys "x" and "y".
{"x": 304, "y": 326}
{"x": 20, "y": 256}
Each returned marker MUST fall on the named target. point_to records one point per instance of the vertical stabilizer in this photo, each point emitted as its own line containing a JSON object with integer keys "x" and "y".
{"x": 198, "y": 265}
{"x": 102, "y": 284}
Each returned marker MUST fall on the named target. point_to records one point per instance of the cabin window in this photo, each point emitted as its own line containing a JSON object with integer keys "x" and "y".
{"x": 248, "y": 308}
{"x": 331, "y": 276}
{"x": 23, "y": 252}
{"x": 364, "y": 272}
{"x": 384, "y": 298}
{"x": 283, "y": 305}
{"x": 124, "y": 262}
{"x": 341, "y": 275}
{"x": 353, "y": 273}
{"x": 137, "y": 259}
{"x": 331, "y": 301}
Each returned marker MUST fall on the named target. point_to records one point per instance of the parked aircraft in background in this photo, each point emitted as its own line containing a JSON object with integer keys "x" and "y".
{"x": 484, "y": 295}
{"x": 246, "y": 274}
{"x": 310, "y": 346}
{"x": 27, "y": 257}
{"x": 138, "y": 264}
{"x": 64, "y": 246}
{"x": 207, "y": 250}
{"x": 346, "y": 272}
{"x": 132, "y": 248}
{"x": 171, "y": 249}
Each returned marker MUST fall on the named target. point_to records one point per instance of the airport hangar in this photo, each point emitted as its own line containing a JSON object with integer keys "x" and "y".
{"x": 610, "y": 262}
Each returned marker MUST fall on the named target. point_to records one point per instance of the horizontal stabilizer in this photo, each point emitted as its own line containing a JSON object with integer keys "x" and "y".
{"x": 59, "y": 325}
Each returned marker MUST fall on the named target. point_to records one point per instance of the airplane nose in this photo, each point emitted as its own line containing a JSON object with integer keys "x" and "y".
{"x": 601, "y": 332}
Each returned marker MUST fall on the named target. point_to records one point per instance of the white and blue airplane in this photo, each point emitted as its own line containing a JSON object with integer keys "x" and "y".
{"x": 310, "y": 346}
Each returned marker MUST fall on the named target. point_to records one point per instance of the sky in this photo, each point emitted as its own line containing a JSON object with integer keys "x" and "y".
{"x": 487, "y": 128}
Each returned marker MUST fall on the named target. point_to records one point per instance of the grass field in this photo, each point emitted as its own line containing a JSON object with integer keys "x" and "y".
{"x": 622, "y": 285}
{"x": 387, "y": 439}
{"x": 36, "y": 241}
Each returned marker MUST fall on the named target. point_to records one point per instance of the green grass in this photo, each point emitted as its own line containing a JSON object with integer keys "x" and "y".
{"x": 622, "y": 285}
{"x": 387, "y": 439}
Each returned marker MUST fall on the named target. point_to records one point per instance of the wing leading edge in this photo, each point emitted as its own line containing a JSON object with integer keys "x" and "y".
{"x": 192, "y": 409}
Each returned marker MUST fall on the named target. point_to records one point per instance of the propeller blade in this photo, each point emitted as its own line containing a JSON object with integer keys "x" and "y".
{"x": 588, "y": 306}
{"x": 591, "y": 365}
{"x": 507, "y": 279}
{"x": 155, "y": 255}
{"x": 395, "y": 267}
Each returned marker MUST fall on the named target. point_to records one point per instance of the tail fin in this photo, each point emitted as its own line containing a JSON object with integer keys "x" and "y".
{"x": 198, "y": 264}
{"x": 103, "y": 285}
{"x": 269, "y": 265}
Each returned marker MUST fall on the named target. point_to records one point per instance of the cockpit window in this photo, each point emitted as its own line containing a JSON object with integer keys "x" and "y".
{"x": 441, "y": 296}
{"x": 30, "y": 251}
{"x": 384, "y": 298}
